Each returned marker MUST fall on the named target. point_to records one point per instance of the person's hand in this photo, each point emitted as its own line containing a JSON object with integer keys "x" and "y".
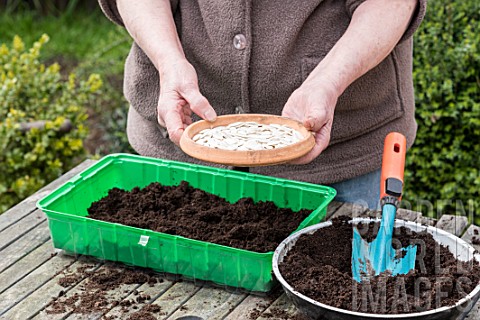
{"x": 179, "y": 97}
{"x": 313, "y": 104}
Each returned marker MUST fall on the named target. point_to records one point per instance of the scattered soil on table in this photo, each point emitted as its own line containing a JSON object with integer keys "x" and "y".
{"x": 147, "y": 313}
{"x": 95, "y": 296}
{"x": 319, "y": 266}
{"x": 277, "y": 314}
{"x": 195, "y": 214}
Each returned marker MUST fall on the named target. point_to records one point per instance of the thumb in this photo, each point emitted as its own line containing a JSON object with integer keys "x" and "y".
{"x": 315, "y": 120}
{"x": 199, "y": 104}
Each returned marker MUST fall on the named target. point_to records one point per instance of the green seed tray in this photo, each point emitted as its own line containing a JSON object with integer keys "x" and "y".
{"x": 72, "y": 230}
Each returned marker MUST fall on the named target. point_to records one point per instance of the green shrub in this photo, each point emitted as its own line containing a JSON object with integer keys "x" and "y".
{"x": 443, "y": 167}
{"x": 84, "y": 42}
{"x": 42, "y": 118}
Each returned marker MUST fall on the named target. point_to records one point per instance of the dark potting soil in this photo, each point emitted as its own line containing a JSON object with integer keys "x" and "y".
{"x": 319, "y": 266}
{"x": 193, "y": 213}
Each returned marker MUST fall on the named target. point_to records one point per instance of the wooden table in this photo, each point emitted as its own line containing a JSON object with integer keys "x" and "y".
{"x": 29, "y": 271}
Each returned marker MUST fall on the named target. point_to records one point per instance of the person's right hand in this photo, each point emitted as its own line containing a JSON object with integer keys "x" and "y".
{"x": 179, "y": 97}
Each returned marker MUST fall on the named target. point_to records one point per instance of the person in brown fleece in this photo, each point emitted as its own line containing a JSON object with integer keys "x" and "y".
{"x": 342, "y": 67}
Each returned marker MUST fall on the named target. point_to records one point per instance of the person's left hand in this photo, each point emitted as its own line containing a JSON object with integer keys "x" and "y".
{"x": 313, "y": 104}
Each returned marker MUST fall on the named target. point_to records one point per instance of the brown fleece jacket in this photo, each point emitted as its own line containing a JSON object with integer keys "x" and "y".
{"x": 285, "y": 42}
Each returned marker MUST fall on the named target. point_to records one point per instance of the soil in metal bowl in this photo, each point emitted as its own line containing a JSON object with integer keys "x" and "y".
{"x": 193, "y": 213}
{"x": 319, "y": 267}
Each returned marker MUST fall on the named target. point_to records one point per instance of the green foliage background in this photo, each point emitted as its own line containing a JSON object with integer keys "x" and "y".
{"x": 30, "y": 92}
{"x": 443, "y": 167}
{"x": 84, "y": 43}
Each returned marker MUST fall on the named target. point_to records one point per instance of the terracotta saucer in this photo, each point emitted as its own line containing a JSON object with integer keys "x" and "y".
{"x": 250, "y": 158}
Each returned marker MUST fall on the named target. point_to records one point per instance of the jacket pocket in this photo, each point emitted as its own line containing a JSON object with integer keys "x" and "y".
{"x": 371, "y": 102}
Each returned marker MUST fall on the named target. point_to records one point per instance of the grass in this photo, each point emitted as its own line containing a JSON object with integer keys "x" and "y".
{"x": 81, "y": 36}
{"x": 84, "y": 43}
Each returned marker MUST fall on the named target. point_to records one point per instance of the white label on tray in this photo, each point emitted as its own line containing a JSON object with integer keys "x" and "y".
{"x": 143, "y": 240}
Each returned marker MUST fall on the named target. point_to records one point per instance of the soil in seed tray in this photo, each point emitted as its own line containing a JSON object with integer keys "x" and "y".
{"x": 193, "y": 213}
{"x": 319, "y": 266}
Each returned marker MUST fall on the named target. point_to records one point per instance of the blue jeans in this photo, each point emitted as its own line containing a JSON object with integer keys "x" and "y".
{"x": 363, "y": 190}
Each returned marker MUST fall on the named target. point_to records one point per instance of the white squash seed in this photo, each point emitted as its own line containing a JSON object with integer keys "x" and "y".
{"x": 244, "y": 136}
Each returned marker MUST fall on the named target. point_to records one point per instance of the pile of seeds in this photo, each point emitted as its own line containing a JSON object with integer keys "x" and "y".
{"x": 243, "y": 136}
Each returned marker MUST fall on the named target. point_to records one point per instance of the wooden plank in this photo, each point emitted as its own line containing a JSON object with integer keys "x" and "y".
{"x": 210, "y": 303}
{"x": 281, "y": 309}
{"x": 21, "y": 210}
{"x": 35, "y": 302}
{"x": 474, "y": 314}
{"x": 168, "y": 300}
{"x": 453, "y": 224}
{"x": 120, "y": 293}
{"x": 24, "y": 245}
{"x": 33, "y": 281}
{"x": 408, "y": 215}
{"x": 249, "y": 308}
{"x": 344, "y": 210}
{"x": 349, "y": 209}
{"x": 25, "y": 207}
{"x": 175, "y": 297}
{"x": 473, "y": 232}
{"x": 332, "y": 207}
{"x": 117, "y": 293}
{"x": 17, "y": 230}
{"x": 369, "y": 214}
{"x": 357, "y": 211}
{"x": 427, "y": 221}
{"x": 154, "y": 292}
{"x": 26, "y": 265}
{"x": 55, "y": 289}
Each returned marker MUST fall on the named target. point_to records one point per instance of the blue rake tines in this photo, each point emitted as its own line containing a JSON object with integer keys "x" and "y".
{"x": 371, "y": 259}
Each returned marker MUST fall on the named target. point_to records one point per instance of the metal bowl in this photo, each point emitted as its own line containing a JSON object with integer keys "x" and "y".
{"x": 316, "y": 310}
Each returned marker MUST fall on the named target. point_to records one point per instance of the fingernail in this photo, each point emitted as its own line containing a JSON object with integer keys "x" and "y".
{"x": 210, "y": 115}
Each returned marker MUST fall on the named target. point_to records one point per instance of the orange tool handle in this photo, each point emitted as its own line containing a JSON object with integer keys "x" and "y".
{"x": 393, "y": 164}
